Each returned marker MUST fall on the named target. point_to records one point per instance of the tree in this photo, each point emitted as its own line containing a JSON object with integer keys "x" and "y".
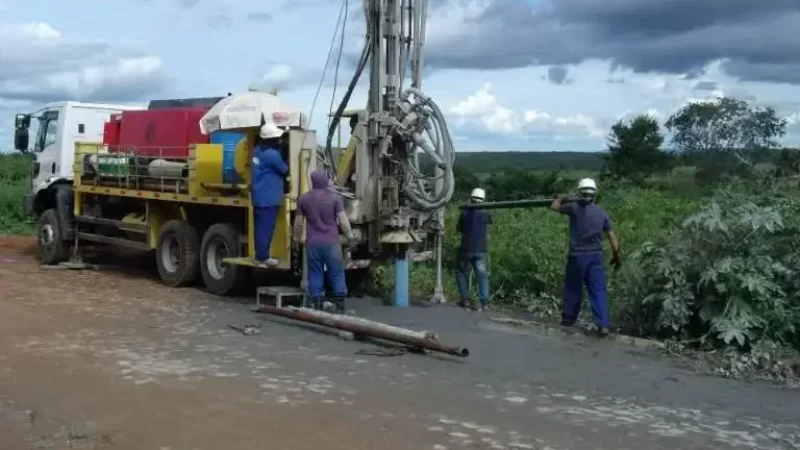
{"x": 634, "y": 148}
{"x": 724, "y": 136}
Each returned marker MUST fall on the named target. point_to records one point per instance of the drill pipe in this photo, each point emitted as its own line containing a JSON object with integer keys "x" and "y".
{"x": 363, "y": 327}
{"x": 427, "y": 335}
{"x": 530, "y": 203}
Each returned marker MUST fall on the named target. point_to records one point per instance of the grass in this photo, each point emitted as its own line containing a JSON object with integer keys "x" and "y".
{"x": 13, "y": 186}
{"x": 528, "y": 247}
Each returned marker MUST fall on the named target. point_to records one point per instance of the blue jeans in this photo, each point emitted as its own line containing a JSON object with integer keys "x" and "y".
{"x": 476, "y": 262}
{"x": 588, "y": 270}
{"x": 264, "y": 221}
{"x": 320, "y": 258}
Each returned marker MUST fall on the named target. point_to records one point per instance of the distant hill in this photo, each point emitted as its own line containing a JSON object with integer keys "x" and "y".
{"x": 488, "y": 162}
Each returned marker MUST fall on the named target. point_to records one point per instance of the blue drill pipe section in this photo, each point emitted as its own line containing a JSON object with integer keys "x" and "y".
{"x": 401, "y": 281}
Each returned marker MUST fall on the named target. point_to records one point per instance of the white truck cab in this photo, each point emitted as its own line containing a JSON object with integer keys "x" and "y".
{"x": 56, "y": 129}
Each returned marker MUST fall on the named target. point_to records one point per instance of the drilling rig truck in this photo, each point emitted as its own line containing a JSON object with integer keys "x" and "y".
{"x": 172, "y": 178}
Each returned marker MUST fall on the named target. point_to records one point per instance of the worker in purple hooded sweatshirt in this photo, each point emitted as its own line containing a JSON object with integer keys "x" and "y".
{"x": 322, "y": 210}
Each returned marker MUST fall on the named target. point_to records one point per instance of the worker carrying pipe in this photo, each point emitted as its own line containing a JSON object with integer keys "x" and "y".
{"x": 587, "y": 224}
{"x": 322, "y": 210}
{"x": 268, "y": 172}
{"x": 473, "y": 224}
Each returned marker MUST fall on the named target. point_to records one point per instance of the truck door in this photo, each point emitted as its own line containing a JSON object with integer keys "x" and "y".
{"x": 46, "y": 150}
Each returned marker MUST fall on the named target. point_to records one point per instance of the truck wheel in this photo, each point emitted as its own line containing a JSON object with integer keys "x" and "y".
{"x": 52, "y": 248}
{"x": 221, "y": 241}
{"x": 177, "y": 253}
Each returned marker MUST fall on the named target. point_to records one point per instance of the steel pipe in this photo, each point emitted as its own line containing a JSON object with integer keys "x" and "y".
{"x": 529, "y": 203}
{"x": 364, "y": 327}
{"x": 427, "y": 335}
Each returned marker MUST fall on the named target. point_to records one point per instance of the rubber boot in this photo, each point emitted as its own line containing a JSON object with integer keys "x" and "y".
{"x": 340, "y": 305}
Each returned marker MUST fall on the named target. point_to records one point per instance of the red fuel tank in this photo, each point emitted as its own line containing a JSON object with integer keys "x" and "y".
{"x": 161, "y": 133}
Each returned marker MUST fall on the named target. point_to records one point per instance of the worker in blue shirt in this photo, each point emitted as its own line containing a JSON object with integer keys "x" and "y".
{"x": 268, "y": 172}
{"x": 587, "y": 224}
{"x": 473, "y": 224}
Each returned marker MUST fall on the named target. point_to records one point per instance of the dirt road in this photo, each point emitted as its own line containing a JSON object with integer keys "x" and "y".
{"x": 92, "y": 360}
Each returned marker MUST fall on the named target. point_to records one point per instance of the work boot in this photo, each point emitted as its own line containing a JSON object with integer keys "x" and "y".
{"x": 340, "y": 305}
{"x": 316, "y": 303}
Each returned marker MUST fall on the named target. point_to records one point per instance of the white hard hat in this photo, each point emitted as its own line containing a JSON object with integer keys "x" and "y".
{"x": 587, "y": 184}
{"x": 478, "y": 194}
{"x": 269, "y": 131}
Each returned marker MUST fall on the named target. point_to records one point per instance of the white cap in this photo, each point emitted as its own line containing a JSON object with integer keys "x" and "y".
{"x": 478, "y": 194}
{"x": 269, "y": 131}
{"x": 587, "y": 184}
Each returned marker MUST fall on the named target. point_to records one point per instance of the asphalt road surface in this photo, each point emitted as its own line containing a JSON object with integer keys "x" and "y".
{"x": 92, "y": 360}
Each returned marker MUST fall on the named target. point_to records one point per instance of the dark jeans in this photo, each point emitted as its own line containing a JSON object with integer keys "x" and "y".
{"x": 320, "y": 258}
{"x": 264, "y": 221}
{"x": 476, "y": 262}
{"x": 588, "y": 270}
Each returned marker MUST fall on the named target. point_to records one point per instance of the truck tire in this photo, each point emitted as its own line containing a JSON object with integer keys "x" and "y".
{"x": 177, "y": 253}
{"x": 52, "y": 248}
{"x": 221, "y": 241}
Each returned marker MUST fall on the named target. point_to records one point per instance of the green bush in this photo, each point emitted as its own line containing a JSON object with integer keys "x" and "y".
{"x": 727, "y": 275}
{"x": 13, "y": 186}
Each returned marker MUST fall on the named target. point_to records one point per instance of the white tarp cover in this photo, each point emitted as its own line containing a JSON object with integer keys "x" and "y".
{"x": 247, "y": 109}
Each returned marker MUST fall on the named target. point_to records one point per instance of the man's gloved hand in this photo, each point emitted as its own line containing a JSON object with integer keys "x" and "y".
{"x": 616, "y": 261}
{"x": 352, "y": 239}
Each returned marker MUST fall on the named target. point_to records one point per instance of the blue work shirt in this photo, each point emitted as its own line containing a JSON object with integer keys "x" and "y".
{"x": 473, "y": 224}
{"x": 267, "y": 174}
{"x": 587, "y": 223}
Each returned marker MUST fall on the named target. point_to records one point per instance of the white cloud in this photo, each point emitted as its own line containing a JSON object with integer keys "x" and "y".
{"x": 38, "y": 63}
{"x": 278, "y": 76}
{"x": 482, "y": 109}
{"x": 47, "y": 54}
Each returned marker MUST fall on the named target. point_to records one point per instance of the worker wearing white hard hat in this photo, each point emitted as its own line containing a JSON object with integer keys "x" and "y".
{"x": 268, "y": 172}
{"x": 473, "y": 224}
{"x": 588, "y": 222}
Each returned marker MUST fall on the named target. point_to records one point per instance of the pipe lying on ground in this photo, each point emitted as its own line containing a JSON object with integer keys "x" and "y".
{"x": 530, "y": 203}
{"x": 366, "y": 328}
{"x": 427, "y": 335}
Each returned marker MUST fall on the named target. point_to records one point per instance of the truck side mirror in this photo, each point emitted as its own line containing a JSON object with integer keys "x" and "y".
{"x": 21, "y": 139}
{"x": 22, "y": 121}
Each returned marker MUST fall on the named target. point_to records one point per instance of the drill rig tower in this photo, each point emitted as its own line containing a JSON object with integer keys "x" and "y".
{"x": 397, "y": 172}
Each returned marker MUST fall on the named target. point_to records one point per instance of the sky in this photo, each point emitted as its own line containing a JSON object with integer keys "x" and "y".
{"x": 521, "y": 75}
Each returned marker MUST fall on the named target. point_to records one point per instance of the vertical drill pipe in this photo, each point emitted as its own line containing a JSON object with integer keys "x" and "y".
{"x": 401, "y": 278}
{"x": 341, "y": 323}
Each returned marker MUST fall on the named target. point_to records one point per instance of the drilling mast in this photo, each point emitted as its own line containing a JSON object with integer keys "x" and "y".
{"x": 400, "y": 172}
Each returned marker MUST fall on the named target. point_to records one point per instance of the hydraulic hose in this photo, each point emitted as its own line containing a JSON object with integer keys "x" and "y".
{"x": 419, "y": 122}
{"x": 429, "y": 192}
{"x": 337, "y": 116}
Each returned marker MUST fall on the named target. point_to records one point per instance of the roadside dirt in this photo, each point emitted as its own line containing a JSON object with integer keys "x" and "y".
{"x": 57, "y": 392}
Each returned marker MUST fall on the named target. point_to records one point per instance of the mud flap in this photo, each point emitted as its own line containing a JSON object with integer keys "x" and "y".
{"x": 64, "y": 204}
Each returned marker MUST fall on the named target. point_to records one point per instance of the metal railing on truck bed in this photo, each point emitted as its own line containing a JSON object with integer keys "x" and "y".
{"x": 192, "y": 174}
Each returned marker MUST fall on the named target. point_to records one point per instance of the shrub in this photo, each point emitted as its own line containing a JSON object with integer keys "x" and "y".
{"x": 727, "y": 275}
